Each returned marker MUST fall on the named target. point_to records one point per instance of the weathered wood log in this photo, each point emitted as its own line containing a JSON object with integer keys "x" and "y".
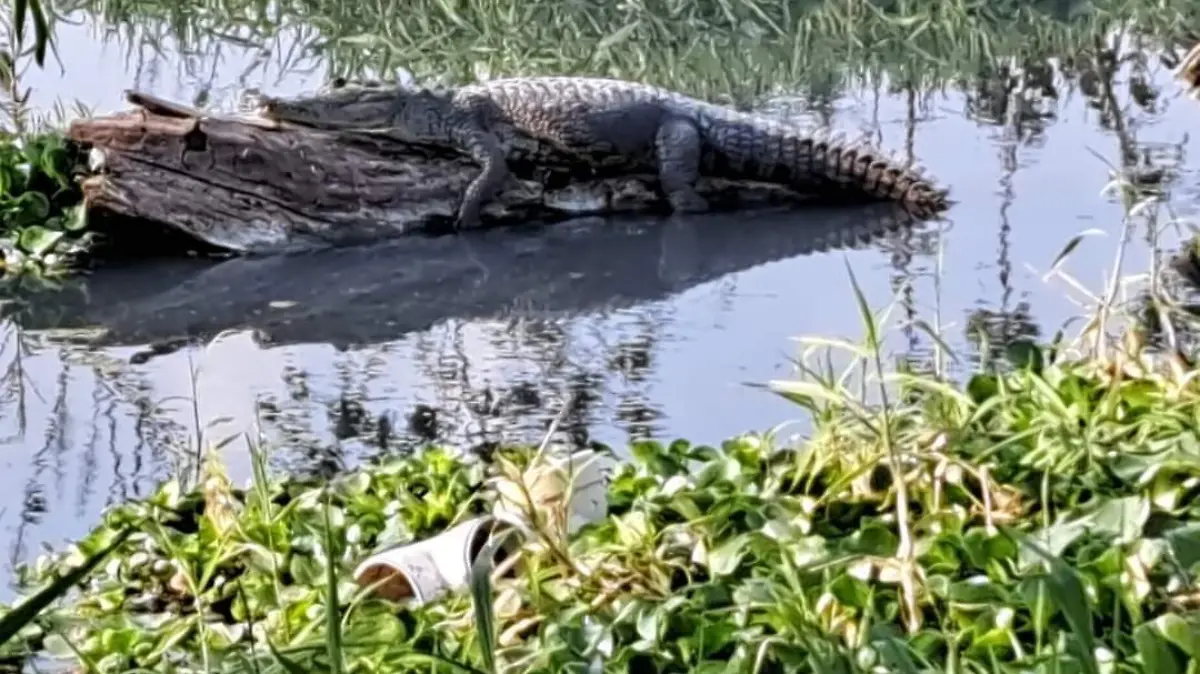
{"x": 377, "y": 293}
{"x": 249, "y": 185}
{"x": 1188, "y": 71}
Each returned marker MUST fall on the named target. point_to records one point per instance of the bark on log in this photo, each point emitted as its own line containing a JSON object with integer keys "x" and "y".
{"x": 1188, "y": 71}
{"x": 249, "y": 185}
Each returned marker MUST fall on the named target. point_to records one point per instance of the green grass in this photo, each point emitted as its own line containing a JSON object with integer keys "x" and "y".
{"x": 724, "y": 48}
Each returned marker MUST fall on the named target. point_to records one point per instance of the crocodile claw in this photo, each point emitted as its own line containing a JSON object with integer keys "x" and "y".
{"x": 466, "y": 220}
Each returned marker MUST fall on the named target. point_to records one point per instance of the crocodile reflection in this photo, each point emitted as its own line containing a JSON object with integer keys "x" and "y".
{"x": 370, "y": 294}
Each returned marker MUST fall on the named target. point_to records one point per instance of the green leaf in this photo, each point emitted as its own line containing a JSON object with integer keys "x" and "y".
{"x": 77, "y": 219}
{"x": 37, "y": 240}
{"x": 34, "y": 207}
{"x": 1025, "y": 354}
{"x": 1070, "y": 247}
{"x": 982, "y": 387}
{"x": 1180, "y": 631}
{"x": 725, "y": 558}
{"x": 1185, "y": 544}
{"x": 1157, "y": 654}
{"x": 894, "y": 653}
{"x": 1122, "y": 517}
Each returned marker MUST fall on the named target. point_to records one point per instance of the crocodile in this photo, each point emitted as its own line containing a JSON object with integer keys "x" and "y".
{"x": 618, "y": 124}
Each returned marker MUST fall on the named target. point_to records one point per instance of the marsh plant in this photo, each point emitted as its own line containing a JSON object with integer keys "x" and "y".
{"x": 42, "y": 221}
{"x": 43, "y": 225}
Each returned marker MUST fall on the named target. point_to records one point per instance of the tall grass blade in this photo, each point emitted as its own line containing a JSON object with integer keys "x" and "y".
{"x": 289, "y": 665}
{"x": 333, "y": 621}
{"x": 481, "y": 598}
{"x": 1066, "y": 591}
{"x": 25, "y": 612}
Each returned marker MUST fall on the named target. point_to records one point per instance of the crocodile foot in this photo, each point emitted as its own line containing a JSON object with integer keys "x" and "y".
{"x": 687, "y": 202}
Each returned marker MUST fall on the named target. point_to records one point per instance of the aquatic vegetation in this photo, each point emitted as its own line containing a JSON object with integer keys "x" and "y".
{"x": 43, "y": 225}
{"x": 1042, "y": 516}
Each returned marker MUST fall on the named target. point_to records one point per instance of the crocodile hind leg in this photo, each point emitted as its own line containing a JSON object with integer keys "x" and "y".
{"x": 484, "y": 148}
{"x": 677, "y": 146}
{"x": 468, "y": 133}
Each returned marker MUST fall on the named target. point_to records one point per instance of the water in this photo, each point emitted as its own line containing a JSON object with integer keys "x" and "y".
{"x": 650, "y": 330}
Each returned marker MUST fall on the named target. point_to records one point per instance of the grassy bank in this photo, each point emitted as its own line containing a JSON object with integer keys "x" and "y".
{"x": 738, "y": 49}
{"x": 1040, "y": 516}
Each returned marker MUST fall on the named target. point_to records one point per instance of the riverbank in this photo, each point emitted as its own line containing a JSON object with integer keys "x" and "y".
{"x": 1041, "y": 516}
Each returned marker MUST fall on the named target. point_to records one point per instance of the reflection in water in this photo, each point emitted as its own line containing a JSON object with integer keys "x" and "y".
{"x": 637, "y": 328}
{"x": 368, "y": 294}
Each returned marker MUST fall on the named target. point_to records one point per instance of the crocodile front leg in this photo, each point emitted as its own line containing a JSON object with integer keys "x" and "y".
{"x": 678, "y": 146}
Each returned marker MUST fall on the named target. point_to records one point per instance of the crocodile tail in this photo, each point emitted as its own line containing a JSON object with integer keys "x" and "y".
{"x": 827, "y": 164}
{"x": 857, "y": 165}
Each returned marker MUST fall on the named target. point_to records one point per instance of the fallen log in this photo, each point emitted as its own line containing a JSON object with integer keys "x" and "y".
{"x": 250, "y": 185}
{"x": 1188, "y": 71}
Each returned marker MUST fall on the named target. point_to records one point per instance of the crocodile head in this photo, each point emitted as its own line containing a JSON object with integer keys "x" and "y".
{"x": 366, "y": 107}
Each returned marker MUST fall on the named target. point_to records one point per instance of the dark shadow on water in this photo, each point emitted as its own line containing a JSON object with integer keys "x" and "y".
{"x": 377, "y": 293}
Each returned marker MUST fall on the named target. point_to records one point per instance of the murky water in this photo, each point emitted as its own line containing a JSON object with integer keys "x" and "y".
{"x": 648, "y": 329}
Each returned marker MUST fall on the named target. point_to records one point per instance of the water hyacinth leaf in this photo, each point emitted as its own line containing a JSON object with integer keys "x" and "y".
{"x": 726, "y": 557}
{"x": 56, "y": 163}
{"x": 34, "y": 207}
{"x": 1122, "y": 518}
{"x": 895, "y": 654}
{"x": 1182, "y": 632}
{"x": 37, "y": 240}
{"x": 981, "y": 387}
{"x": 1052, "y": 540}
{"x": 1185, "y": 544}
{"x": 76, "y": 220}
{"x": 1157, "y": 655}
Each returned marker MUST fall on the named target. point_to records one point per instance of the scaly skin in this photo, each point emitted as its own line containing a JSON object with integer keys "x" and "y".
{"x": 617, "y": 123}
